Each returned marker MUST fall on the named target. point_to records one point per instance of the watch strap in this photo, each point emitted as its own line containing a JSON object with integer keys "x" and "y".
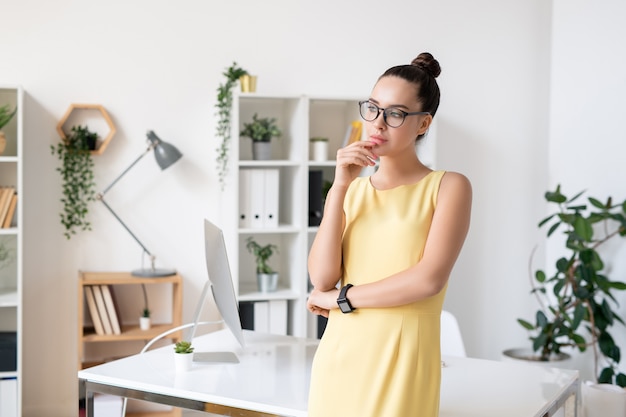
{"x": 342, "y": 300}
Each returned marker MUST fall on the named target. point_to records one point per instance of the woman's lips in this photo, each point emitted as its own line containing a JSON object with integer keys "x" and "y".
{"x": 377, "y": 141}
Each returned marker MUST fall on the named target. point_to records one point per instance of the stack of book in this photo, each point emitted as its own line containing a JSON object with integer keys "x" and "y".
{"x": 8, "y": 202}
{"x": 103, "y": 309}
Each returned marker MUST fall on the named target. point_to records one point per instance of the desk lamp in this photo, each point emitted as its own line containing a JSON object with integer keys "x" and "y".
{"x": 165, "y": 155}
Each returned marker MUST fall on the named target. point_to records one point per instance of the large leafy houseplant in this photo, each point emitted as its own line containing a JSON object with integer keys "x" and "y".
{"x": 577, "y": 301}
{"x": 78, "y": 179}
{"x": 224, "y": 107}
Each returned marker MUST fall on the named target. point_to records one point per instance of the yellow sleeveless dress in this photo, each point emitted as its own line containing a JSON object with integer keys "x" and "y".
{"x": 382, "y": 362}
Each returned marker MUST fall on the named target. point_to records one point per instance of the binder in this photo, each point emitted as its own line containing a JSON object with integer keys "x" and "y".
{"x": 316, "y": 206}
{"x": 256, "y": 193}
{"x": 278, "y": 317}
{"x": 8, "y": 397}
{"x": 262, "y": 316}
{"x": 270, "y": 207}
{"x": 244, "y": 198}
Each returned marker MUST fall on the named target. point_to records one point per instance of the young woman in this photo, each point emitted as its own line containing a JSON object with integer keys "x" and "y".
{"x": 390, "y": 241}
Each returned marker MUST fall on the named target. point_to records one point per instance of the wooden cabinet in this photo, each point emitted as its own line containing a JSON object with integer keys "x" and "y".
{"x": 11, "y": 227}
{"x": 123, "y": 285}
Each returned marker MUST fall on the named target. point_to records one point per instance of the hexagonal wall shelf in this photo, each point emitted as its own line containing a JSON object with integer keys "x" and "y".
{"x": 92, "y": 115}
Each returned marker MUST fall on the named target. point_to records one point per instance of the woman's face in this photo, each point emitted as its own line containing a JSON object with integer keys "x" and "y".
{"x": 399, "y": 94}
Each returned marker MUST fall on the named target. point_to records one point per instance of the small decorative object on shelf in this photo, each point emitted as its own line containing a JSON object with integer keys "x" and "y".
{"x": 183, "y": 355}
{"x": 319, "y": 149}
{"x": 267, "y": 278}
{"x": 78, "y": 179}
{"x": 261, "y": 131}
{"x": 224, "y": 107}
{"x": 78, "y": 114}
{"x": 576, "y": 300}
{"x": 5, "y": 117}
{"x": 144, "y": 320}
{"x": 248, "y": 83}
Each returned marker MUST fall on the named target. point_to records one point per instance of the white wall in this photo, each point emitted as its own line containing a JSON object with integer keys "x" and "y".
{"x": 588, "y": 100}
{"x": 156, "y": 64}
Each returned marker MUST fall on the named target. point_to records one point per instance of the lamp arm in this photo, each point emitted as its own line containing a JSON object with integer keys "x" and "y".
{"x": 101, "y": 198}
{"x": 150, "y": 147}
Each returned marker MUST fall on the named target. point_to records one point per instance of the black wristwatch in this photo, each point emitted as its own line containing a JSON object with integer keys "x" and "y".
{"x": 344, "y": 304}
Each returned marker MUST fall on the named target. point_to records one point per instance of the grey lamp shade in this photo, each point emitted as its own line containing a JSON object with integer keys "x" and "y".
{"x": 164, "y": 153}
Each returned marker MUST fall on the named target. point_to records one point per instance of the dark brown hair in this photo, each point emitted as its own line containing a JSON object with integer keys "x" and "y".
{"x": 422, "y": 73}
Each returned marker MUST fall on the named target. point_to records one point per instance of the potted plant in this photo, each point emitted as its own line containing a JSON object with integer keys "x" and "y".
{"x": 7, "y": 254}
{"x": 224, "y": 106}
{"x": 78, "y": 179}
{"x": 577, "y": 300}
{"x": 182, "y": 357}
{"x": 5, "y": 117}
{"x": 144, "y": 319}
{"x": 261, "y": 131}
{"x": 267, "y": 278}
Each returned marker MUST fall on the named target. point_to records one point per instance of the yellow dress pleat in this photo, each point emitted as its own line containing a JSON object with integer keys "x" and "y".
{"x": 382, "y": 362}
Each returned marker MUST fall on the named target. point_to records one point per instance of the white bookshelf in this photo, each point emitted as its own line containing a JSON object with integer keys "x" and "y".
{"x": 11, "y": 308}
{"x": 299, "y": 117}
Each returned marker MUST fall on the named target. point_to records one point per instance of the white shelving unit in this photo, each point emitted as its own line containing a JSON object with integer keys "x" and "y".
{"x": 11, "y": 271}
{"x": 300, "y": 118}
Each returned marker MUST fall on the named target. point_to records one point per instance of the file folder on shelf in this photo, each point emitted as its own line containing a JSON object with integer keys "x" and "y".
{"x": 259, "y": 198}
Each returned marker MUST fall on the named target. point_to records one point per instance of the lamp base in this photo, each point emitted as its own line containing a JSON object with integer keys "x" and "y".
{"x": 153, "y": 272}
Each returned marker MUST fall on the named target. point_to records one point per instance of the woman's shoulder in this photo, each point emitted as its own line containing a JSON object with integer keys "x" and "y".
{"x": 455, "y": 182}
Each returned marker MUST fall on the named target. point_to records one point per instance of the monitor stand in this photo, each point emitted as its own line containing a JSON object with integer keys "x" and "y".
{"x": 208, "y": 357}
{"x": 215, "y": 357}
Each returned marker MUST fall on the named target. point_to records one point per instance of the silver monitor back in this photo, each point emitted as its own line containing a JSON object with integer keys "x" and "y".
{"x": 221, "y": 284}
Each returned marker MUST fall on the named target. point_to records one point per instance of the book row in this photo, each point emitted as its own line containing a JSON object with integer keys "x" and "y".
{"x": 8, "y": 203}
{"x": 103, "y": 309}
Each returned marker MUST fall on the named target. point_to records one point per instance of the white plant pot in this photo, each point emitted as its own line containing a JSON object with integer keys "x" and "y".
{"x": 319, "y": 150}
{"x": 183, "y": 361}
{"x": 144, "y": 323}
{"x": 261, "y": 151}
{"x": 603, "y": 400}
{"x": 563, "y": 361}
{"x": 267, "y": 282}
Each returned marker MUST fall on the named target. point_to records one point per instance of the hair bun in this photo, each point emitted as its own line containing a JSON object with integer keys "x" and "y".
{"x": 428, "y": 63}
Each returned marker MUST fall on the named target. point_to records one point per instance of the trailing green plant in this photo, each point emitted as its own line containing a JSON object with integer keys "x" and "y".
{"x": 261, "y": 129}
{"x": 7, "y": 254}
{"x": 262, "y": 255}
{"x": 6, "y": 114}
{"x": 577, "y": 301}
{"x": 78, "y": 179}
{"x": 224, "y": 107}
{"x": 183, "y": 347}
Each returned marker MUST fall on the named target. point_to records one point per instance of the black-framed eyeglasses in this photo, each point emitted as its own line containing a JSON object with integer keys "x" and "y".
{"x": 393, "y": 116}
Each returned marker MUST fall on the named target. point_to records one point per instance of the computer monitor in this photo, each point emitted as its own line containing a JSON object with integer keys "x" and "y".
{"x": 221, "y": 284}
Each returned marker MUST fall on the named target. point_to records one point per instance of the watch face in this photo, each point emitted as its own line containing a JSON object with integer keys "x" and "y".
{"x": 344, "y": 307}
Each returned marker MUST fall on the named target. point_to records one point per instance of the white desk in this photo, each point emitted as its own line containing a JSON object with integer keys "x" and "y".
{"x": 272, "y": 379}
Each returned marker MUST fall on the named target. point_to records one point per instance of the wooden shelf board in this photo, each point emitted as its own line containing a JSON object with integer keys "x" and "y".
{"x": 130, "y": 333}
